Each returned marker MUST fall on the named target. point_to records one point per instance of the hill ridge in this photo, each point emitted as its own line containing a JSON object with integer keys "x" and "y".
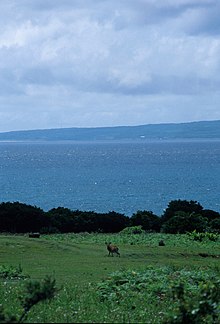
{"x": 164, "y": 131}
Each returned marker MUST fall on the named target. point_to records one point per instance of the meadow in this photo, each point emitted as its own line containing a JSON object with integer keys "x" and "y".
{"x": 142, "y": 285}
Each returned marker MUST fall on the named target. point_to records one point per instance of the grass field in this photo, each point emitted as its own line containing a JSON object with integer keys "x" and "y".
{"x": 94, "y": 287}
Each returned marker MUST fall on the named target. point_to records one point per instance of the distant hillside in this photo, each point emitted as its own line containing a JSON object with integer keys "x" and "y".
{"x": 194, "y": 130}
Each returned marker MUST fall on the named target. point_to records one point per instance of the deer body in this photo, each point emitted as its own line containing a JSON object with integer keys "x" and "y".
{"x": 112, "y": 249}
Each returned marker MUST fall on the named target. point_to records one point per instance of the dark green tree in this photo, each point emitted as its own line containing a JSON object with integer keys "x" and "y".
{"x": 215, "y": 225}
{"x": 113, "y": 222}
{"x": 148, "y": 220}
{"x": 61, "y": 219}
{"x": 17, "y": 217}
{"x": 175, "y": 206}
{"x": 210, "y": 214}
{"x": 184, "y": 222}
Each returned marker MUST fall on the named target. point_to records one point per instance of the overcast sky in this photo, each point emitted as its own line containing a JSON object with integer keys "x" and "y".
{"x": 88, "y": 63}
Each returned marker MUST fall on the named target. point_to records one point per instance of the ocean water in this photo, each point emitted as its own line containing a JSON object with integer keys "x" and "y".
{"x": 101, "y": 177}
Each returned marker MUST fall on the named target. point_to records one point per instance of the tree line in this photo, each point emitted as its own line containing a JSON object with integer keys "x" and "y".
{"x": 180, "y": 216}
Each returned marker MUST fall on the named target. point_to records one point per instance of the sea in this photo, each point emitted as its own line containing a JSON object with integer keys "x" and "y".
{"x": 111, "y": 176}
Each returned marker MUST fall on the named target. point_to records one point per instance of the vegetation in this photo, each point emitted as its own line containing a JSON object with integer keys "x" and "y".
{"x": 148, "y": 220}
{"x": 202, "y": 308}
{"x": 181, "y": 216}
{"x": 175, "y": 206}
{"x": 148, "y": 283}
{"x": 34, "y": 292}
{"x": 9, "y": 272}
{"x": 168, "y": 271}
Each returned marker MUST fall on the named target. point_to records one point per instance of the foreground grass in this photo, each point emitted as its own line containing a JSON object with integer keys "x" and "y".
{"x": 96, "y": 288}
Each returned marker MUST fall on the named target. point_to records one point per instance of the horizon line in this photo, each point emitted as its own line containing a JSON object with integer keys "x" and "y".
{"x": 117, "y": 126}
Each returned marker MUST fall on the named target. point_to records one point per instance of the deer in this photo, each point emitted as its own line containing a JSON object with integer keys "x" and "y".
{"x": 112, "y": 249}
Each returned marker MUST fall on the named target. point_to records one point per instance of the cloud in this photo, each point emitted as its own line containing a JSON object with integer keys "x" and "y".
{"x": 106, "y": 62}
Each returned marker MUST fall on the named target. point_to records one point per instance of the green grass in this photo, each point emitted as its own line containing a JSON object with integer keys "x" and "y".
{"x": 80, "y": 264}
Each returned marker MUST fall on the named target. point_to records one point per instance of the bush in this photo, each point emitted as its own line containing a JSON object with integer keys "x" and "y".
{"x": 9, "y": 272}
{"x": 202, "y": 236}
{"x": 132, "y": 230}
{"x": 203, "y": 308}
{"x": 35, "y": 292}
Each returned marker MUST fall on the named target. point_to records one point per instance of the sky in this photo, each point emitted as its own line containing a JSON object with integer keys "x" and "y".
{"x": 94, "y": 63}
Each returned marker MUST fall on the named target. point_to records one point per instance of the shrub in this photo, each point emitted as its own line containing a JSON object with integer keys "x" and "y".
{"x": 203, "y": 308}
{"x": 9, "y": 272}
{"x": 196, "y": 236}
{"x": 35, "y": 292}
{"x": 132, "y": 230}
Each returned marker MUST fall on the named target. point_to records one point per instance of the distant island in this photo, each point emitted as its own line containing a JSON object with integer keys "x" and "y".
{"x": 172, "y": 131}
